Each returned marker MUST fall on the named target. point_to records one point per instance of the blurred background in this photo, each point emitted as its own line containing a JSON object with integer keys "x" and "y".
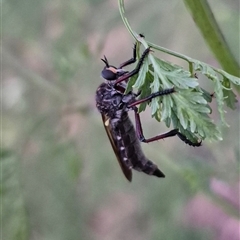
{"x": 60, "y": 178}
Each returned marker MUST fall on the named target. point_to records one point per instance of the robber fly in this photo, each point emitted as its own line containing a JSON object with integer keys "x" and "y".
{"x": 113, "y": 104}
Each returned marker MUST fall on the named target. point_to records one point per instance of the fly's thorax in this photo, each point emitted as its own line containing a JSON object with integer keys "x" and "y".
{"x": 112, "y": 102}
{"x": 107, "y": 98}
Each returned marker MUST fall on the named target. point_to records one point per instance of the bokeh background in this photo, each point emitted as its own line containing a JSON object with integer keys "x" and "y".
{"x": 60, "y": 178}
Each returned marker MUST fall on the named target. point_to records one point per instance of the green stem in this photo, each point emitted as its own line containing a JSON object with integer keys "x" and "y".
{"x": 191, "y": 61}
{"x": 206, "y": 22}
{"x": 152, "y": 45}
{"x": 124, "y": 19}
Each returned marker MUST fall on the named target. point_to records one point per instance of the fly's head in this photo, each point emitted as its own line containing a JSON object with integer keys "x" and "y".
{"x": 111, "y": 73}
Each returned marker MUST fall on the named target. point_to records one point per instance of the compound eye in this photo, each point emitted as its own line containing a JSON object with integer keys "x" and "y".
{"x": 108, "y": 74}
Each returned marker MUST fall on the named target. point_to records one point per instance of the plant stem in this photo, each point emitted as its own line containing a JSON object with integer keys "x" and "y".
{"x": 206, "y": 22}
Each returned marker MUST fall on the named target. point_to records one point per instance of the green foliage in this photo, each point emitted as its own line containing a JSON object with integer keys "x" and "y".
{"x": 222, "y": 83}
{"x": 187, "y": 109}
{"x": 13, "y": 211}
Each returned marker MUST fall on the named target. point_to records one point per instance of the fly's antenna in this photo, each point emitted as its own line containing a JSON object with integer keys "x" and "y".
{"x": 105, "y": 61}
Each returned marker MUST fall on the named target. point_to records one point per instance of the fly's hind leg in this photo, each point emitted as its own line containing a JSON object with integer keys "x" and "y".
{"x": 171, "y": 133}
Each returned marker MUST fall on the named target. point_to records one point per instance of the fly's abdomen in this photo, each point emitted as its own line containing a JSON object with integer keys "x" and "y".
{"x": 131, "y": 151}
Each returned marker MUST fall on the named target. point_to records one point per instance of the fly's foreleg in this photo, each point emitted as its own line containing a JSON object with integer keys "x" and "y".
{"x": 136, "y": 70}
{"x": 133, "y": 59}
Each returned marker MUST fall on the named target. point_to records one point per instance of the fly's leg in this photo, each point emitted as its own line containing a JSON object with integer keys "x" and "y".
{"x": 140, "y": 135}
{"x": 171, "y": 133}
{"x": 132, "y": 60}
{"x": 151, "y": 96}
{"x": 136, "y": 70}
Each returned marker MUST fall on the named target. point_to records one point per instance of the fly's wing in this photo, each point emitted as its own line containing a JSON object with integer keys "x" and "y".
{"x": 127, "y": 172}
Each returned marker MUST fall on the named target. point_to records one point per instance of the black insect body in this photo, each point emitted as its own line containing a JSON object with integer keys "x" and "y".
{"x": 114, "y": 104}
